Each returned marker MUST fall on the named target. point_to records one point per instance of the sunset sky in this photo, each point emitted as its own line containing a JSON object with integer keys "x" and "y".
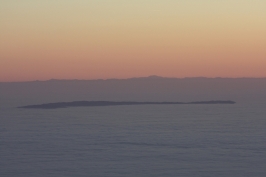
{"x": 100, "y": 39}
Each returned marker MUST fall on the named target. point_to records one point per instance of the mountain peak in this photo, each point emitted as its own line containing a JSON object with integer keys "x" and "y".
{"x": 154, "y": 77}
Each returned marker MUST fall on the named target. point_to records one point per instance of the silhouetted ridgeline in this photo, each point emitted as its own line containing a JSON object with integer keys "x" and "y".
{"x": 112, "y": 103}
{"x": 151, "y": 89}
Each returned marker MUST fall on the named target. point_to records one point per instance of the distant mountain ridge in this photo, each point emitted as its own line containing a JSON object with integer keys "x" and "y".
{"x": 152, "y": 88}
{"x": 113, "y": 103}
{"x": 152, "y": 77}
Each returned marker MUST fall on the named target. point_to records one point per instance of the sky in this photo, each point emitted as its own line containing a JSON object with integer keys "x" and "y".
{"x": 101, "y": 39}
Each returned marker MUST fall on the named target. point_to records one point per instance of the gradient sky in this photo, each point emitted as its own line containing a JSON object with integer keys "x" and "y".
{"x": 93, "y": 39}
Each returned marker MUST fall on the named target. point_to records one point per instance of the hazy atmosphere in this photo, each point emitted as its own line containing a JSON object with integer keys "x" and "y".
{"x": 140, "y": 88}
{"x": 100, "y": 39}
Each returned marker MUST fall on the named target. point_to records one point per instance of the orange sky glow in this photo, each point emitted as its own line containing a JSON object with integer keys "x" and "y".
{"x": 100, "y": 39}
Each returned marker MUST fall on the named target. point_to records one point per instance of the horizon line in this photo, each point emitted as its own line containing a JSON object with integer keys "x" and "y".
{"x": 131, "y": 78}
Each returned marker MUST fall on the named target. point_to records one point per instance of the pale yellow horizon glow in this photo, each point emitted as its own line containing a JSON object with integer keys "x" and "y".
{"x": 89, "y": 39}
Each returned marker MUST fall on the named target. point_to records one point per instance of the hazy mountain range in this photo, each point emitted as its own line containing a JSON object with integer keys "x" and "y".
{"x": 153, "y": 88}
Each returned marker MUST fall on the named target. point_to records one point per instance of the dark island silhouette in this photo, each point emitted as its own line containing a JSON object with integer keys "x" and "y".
{"x": 113, "y": 103}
